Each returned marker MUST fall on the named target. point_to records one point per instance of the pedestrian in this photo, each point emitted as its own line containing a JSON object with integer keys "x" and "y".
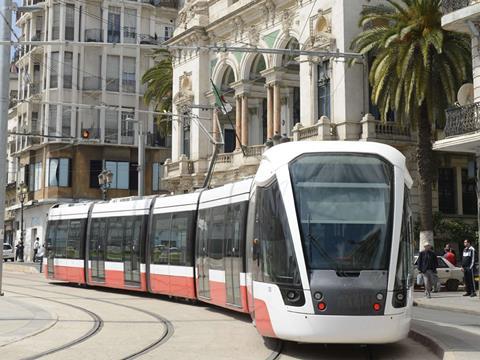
{"x": 427, "y": 266}
{"x": 450, "y": 255}
{"x": 468, "y": 267}
{"x": 36, "y": 247}
{"x": 41, "y": 254}
{"x": 19, "y": 252}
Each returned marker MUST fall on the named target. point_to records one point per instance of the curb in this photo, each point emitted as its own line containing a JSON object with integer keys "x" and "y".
{"x": 445, "y": 307}
{"x": 435, "y": 346}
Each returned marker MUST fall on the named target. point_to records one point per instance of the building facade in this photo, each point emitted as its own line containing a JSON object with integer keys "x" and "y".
{"x": 300, "y": 97}
{"x": 462, "y": 131}
{"x": 86, "y": 85}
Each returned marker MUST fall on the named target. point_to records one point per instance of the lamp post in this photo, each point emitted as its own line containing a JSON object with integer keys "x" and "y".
{"x": 22, "y": 194}
{"x": 105, "y": 180}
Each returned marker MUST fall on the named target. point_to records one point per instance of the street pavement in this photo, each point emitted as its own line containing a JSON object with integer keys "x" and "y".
{"x": 452, "y": 321}
{"x": 58, "y": 321}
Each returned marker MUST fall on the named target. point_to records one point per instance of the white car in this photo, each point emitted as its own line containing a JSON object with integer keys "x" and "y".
{"x": 448, "y": 275}
{"x": 8, "y": 252}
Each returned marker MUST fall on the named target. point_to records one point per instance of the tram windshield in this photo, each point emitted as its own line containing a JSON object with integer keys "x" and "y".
{"x": 343, "y": 203}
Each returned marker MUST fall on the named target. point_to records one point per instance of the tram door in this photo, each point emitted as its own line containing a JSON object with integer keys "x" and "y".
{"x": 50, "y": 249}
{"x": 97, "y": 249}
{"x": 131, "y": 250}
{"x": 202, "y": 262}
{"x": 233, "y": 260}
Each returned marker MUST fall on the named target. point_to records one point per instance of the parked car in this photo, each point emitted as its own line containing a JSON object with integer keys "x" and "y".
{"x": 8, "y": 253}
{"x": 449, "y": 275}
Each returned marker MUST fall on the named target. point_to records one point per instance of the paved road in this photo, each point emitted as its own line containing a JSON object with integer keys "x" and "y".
{"x": 66, "y": 322}
{"x": 458, "y": 332}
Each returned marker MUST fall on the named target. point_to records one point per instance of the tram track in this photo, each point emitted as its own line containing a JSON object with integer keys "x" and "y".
{"x": 167, "y": 334}
{"x": 94, "y": 330}
{"x": 277, "y": 351}
{"x": 275, "y": 354}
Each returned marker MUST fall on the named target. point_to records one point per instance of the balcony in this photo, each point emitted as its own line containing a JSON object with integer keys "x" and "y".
{"x": 458, "y": 14}
{"x": 462, "y": 120}
{"x": 164, "y": 3}
{"x": 449, "y": 6}
{"x": 93, "y": 35}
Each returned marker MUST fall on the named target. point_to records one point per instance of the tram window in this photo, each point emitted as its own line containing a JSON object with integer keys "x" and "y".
{"x": 278, "y": 260}
{"x": 75, "y": 239}
{"x": 133, "y": 235}
{"x": 235, "y": 229}
{"x": 50, "y": 237}
{"x": 97, "y": 238}
{"x": 180, "y": 251}
{"x": 216, "y": 233}
{"x": 115, "y": 239}
{"x": 160, "y": 238}
{"x": 404, "y": 271}
{"x": 61, "y": 239}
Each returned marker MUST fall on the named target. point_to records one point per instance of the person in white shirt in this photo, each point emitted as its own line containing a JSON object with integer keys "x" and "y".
{"x": 36, "y": 246}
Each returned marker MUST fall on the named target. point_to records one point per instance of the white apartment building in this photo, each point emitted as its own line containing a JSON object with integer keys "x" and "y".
{"x": 86, "y": 78}
{"x": 301, "y": 97}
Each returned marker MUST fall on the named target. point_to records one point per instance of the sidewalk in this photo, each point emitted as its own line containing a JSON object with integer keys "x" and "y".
{"x": 20, "y": 318}
{"x": 24, "y": 267}
{"x": 451, "y": 301}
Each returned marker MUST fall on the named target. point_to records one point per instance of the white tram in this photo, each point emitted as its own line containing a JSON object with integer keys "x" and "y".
{"x": 316, "y": 247}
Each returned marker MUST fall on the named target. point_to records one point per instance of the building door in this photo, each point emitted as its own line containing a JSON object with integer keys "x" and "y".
{"x": 131, "y": 250}
{"x": 202, "y": 263}
{"x": 230, "y": 140}
{"x": 97, "y": 249}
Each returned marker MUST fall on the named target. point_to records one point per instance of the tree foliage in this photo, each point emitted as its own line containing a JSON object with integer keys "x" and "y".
{"x": 159, "y": 84}
{"x": 416, "y": 72}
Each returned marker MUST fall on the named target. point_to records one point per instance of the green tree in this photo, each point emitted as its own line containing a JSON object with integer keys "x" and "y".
{"x": 159, "y": 82}
{"x": 416, "y": 72}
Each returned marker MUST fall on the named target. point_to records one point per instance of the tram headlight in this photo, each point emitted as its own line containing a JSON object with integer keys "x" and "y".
{"x": 379, "y": 296}
{"x": 291, "y": 295}
{"x": 400, "y": 296}
{"x": 318, "y": 296}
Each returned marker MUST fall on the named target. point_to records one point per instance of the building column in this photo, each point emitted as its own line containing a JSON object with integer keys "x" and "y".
{"x": 269, "y": 112}
{"x": 277, "y": 109}
{"x": 244, "y": 120}
{"x": 459, "y": 190}
{"x": 238, "y": 122}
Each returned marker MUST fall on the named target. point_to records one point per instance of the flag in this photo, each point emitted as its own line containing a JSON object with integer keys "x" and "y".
{"x": 220, "y": 101}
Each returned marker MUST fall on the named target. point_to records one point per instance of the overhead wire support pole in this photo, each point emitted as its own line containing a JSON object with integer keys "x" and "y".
{"x": 5, "y": 34}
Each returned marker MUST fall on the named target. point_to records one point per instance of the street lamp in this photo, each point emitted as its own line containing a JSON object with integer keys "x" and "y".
{"x": 105, "y": 180}
{"x": 22, "y": 192}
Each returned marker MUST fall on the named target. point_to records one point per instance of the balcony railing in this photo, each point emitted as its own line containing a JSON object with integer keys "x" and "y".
{"x": 462, "y": 120}
{"x": 449, "y": 6}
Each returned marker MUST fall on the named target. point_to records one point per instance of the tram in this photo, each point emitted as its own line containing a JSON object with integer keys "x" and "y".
{"x": 317, "y": 247}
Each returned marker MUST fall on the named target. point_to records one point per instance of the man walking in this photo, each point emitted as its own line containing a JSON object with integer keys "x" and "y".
{"x": 468, "y": 265}
{"x": 427, "y": 266}
{"x": 36, "y": 246}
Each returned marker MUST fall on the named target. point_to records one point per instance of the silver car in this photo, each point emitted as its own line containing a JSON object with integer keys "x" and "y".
{"x": 8, "y": 252}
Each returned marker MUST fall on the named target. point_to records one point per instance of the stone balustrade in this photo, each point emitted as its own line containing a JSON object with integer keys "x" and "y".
{"x": 375, "y": 129}
{"x": 324, "y": 129}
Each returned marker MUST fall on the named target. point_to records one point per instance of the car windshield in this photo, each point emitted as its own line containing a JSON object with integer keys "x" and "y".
{"x": 7, "y": 247}
{"x": 343, "y": 203}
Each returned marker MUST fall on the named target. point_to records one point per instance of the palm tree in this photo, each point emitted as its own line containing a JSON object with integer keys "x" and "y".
{"x": 159, "y": 81}
{"x": 416, "y": 72}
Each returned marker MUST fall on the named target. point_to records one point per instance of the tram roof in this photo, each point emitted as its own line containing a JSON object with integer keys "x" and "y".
{"x": 69, "y": 211}
{"x": 282, "y": 154}
{"x": 227, "y": 194}
{"x": 129, "y": 206}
